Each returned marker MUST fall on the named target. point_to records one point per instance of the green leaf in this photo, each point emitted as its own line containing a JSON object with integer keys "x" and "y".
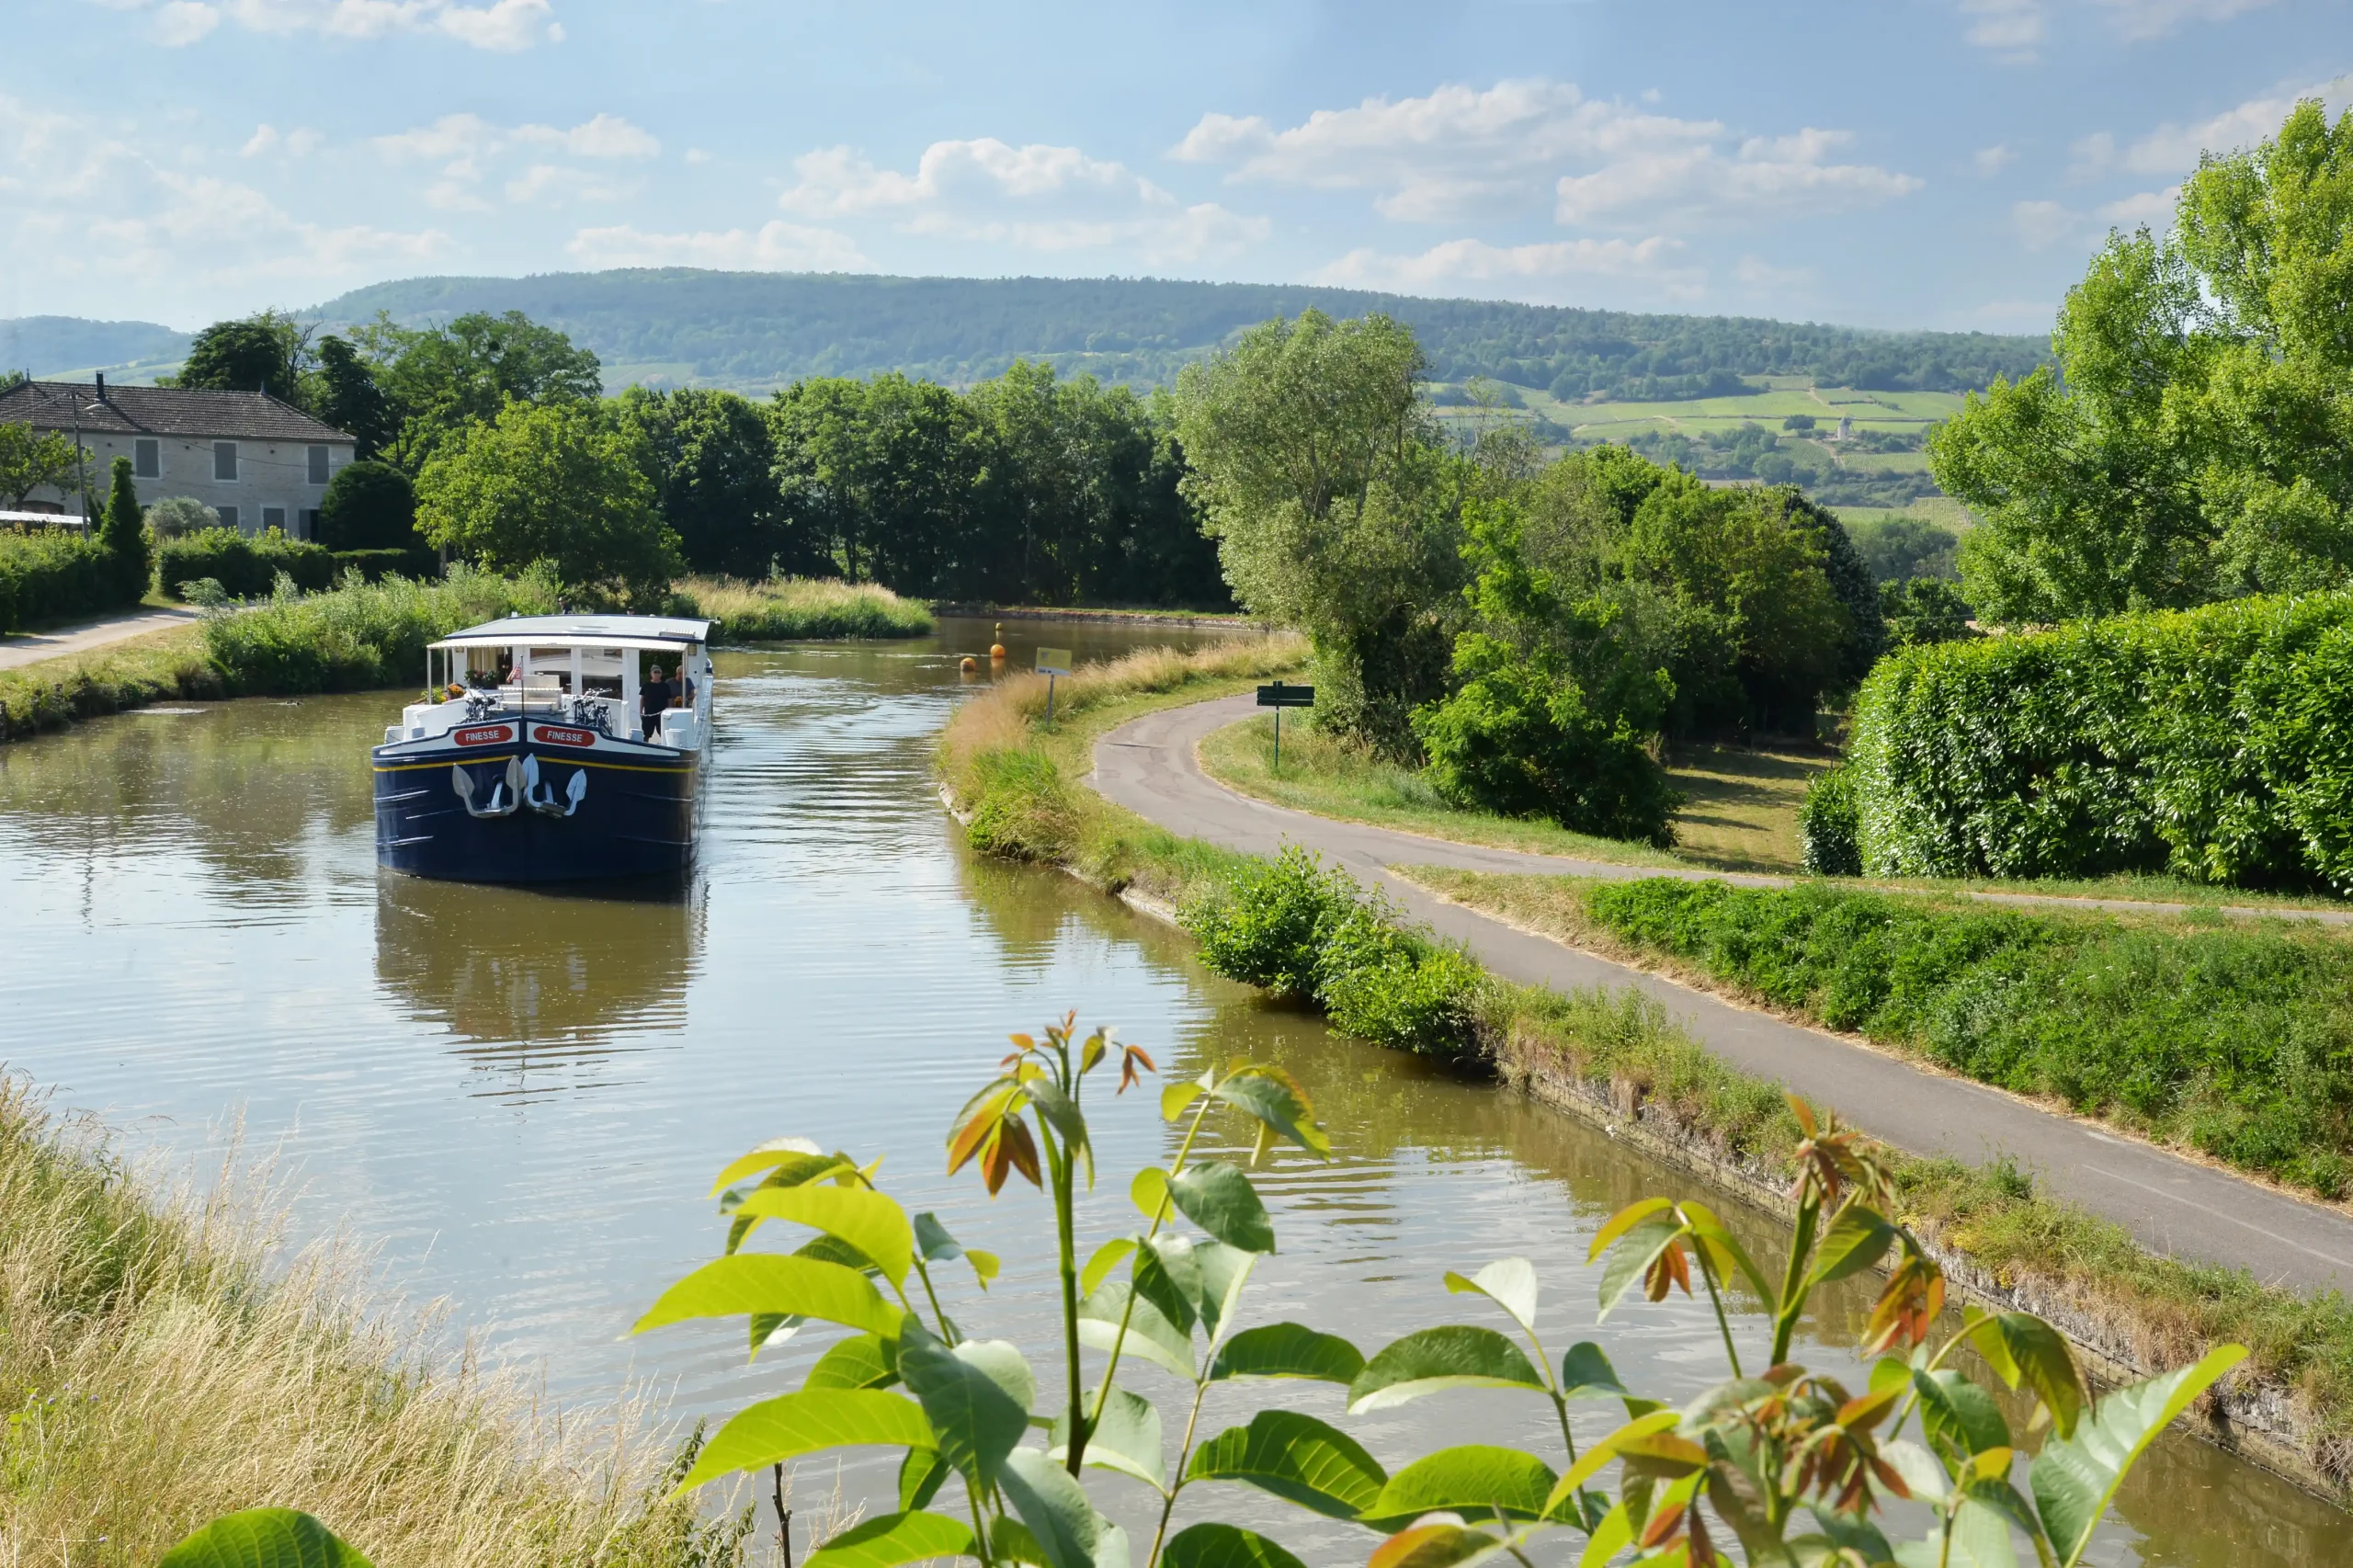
{"x": 1452, "y": 1357}
{"x": 1149, "y": 1193}
{"x": 1126, "y": 1439}
{"x": 1857, "y": 1238}
{"x": 1438, "y": 1543}
{"x": 1167, "y": 1277}
{"x": 921, "y": 1475}
{"x": 1475, "y": 1480}
{"x": 1107, "y": 1257}
{"x": 1845, "y": 1532}
{"x": 1613, "y": 1535}
{"x": 1288, "y": 1350}
{"x": 1722, "y": 1247}
{"x": 1275, "y": 1098}
{"x": 861, "y": 1361}
{"x": 1063, "y": 1523}
{"x": 264, "y": 1538}
{"x": 1219, "y": 1199}
{"x": 976, "y": 1394}
{"x": 1585, "y": 1373}
{"x": 796, "y": 1424}
{"x": 1634, "y": 1253}
{"x": 1297, "y": 1458}
{"x": 1981, "y": 1538}
{"x": 2020, "y": 1346}
{"x": 1175, "y": 1097}
{"x": 1957, "y": 1414}
{"x": 1224, "y": 1271}
{"x": 1061, "y": 1114}
{"x": 860, "y": 1216}
{"x": 1509, "y": 1282}
{"x": 790, "y": 1161}
{"x": 1150, "y": 1335}
{"x": 1010, "y": 1541}
{"x": 767, "y": 1282}
{"x": 1625, "y": 1220}
{"x": 1598, "y": 1454}
{"x": 933, "y": 1240}
{"x": 893, "y": 1538}
{"x": 2075, "y": 1478}
{"x": 1223, "y": 1546}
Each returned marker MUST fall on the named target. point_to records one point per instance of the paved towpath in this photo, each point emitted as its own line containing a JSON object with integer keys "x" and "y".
{"x": 32, "y": 649}
{"x": 2172, "y": 1205}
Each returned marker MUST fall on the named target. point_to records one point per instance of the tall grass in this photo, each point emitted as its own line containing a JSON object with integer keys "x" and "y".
{"x": 162, "y": 1373}
{"x": 362, "y": 634}
{"x": 159, "y": 667}
{"x": 785, "y": 608}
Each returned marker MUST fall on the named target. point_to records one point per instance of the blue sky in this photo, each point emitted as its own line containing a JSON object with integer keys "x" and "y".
{"x": 1913, "y": 162}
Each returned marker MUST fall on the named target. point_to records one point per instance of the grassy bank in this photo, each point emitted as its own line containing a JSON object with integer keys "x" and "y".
{"x": 1739, "y": 813}
{"x": 162, "y": 1373}
{"x": 788, "y": 609}
{"x": 2234, "y": 1041}
{"x": 354, "y": 638}
{"x": 1016, "y": 781}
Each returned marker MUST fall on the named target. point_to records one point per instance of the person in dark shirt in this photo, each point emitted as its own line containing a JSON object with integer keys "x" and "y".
{"x": 652, "y": 697}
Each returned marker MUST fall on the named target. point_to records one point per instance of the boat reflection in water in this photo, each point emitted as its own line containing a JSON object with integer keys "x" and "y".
{"x": 546, "y": 992}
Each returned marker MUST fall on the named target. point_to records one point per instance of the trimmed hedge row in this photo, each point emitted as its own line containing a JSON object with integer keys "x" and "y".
{"x": 1290, "y": 926}
{"x": 2236, "y": 1040}
{"x": 49, "y": 575}
{"x": 2213, "y": 744}
{"x": 247, "y": 566}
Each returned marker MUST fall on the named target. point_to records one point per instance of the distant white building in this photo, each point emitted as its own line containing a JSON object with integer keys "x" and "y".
{"x": 257, "y": 462}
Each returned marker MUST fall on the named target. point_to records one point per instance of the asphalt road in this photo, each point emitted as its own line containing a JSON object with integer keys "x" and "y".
{"x": 33, "y": 647}
{"x": 2172, "y": 1205}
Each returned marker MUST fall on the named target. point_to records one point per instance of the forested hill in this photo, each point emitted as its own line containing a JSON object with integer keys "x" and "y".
{"x": 755, "y": 330}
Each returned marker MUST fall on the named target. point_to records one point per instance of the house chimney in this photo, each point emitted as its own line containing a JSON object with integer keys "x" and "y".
{"x": 102, "y": 386}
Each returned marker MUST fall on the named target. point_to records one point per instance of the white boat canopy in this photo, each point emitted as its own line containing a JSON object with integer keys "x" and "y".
{"x": 653, "y": 631}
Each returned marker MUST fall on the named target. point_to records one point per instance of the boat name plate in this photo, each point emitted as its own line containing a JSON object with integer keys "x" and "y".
{"x": 486, "y": 735}
{"x": 556, "y": 737}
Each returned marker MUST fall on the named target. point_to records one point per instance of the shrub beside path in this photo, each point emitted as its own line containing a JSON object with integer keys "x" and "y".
{"x": 31, "y": 648}
{"x": 2170, "y": 1204}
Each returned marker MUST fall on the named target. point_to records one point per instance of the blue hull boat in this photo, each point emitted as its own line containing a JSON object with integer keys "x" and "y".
{"x": 548, "y": 749}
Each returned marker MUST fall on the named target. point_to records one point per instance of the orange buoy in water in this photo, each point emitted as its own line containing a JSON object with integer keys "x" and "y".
{"x": 969, "y": 664}
{"x": 996, "y": 644}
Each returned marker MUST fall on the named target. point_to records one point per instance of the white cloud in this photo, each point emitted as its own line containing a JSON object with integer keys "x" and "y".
{"x": 264, "y": 138}
{"x": 1461, "y": 150}
{"x": 1036, "y": 197}
{"x": 2155, "y": 19}
{"x": 181, "y": 23}
{"x": 2091, "y": 156}
{"x": 556, "y": 185}
{"x": 777, "y": 246}
{"x": 1477, "y": 268}
{"x": 2018, "y": 29}
{"x": 502, "y": 25}
{"x": 469, "y": 147}
{"x": 2013, "y": 27}
{"x": 2041, "y": 224}
{"x": 2174, "y": 149}
{"x": 1761, "y": 277}
{"x": 1991, "y": 161}
{"x": 606, "y": 136}
{"x": 2153, "y": 208}
{"x": 697, "y": 155}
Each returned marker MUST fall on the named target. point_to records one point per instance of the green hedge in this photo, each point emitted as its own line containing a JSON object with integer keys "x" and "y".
{"x": 50, "y": 575}
{"x": 2213, "y": 744}
{"x": 1828, "y": 824}
{"x": 1290, "y": 926}
{"x": 2236, "y": 1040}
{"x": 361, "y": 636}
{"x": 418, "y": 563}
{"x": 247, "y": 566}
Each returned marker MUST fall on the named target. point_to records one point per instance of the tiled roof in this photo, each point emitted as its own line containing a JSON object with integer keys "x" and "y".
{"x": 160, "y": 411}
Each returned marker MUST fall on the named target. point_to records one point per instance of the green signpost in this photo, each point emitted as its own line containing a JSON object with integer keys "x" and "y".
{"x": 1053, "y": 661}
{"x": 1279, "y": 697}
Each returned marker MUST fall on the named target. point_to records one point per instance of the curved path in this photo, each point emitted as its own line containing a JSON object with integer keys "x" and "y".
{"x": 31, "y": 648}
{"x": 2172, "y": 1205}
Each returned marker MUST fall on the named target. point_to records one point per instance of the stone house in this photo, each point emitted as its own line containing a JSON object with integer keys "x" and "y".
{"x": 257, "y": 462}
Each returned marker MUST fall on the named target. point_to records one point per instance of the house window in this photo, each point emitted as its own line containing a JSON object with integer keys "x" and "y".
{"x": 318, "y": 465}
{"x": 224, "y": 459}
{"x": 273, "y": 517}
{"x": 228, "y": 516}
{"x": 147, "y": 459}
{"x": 308, "y": 518}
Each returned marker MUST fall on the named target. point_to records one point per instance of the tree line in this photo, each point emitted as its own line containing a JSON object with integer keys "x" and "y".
{"x": 490, "y": 437}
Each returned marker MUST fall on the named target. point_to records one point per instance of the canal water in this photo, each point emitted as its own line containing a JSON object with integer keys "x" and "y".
{"x": 518, "y": 1098}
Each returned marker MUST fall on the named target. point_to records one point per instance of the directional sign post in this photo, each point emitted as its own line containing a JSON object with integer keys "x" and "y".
{"x": 1279, "y": 697}
{"x": 1053, "y": 661}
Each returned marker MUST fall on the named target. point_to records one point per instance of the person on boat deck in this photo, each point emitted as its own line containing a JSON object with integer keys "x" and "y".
{"x": 654, "y": 696}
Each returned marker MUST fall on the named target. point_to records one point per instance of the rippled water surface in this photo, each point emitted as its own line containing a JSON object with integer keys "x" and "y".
{"x": 520, "y": 1097}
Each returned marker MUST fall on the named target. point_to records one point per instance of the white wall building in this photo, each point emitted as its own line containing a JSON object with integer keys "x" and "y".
{"x": 257, "y": 462}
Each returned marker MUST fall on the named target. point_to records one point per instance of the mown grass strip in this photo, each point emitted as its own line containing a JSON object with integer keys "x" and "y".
{"x": 791, "y": 608}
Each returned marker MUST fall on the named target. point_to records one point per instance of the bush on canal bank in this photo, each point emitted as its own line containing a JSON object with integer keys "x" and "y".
{"x": 162, "y": 1373}
{"x": 50, "y": 575}
{"x": 2006, "y": 1241}
{"x": 247, "y": 566}
{"x": 788, "y": 609}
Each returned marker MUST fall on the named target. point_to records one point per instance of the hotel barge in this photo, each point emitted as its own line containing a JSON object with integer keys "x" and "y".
{"x": 550, "y": 748}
